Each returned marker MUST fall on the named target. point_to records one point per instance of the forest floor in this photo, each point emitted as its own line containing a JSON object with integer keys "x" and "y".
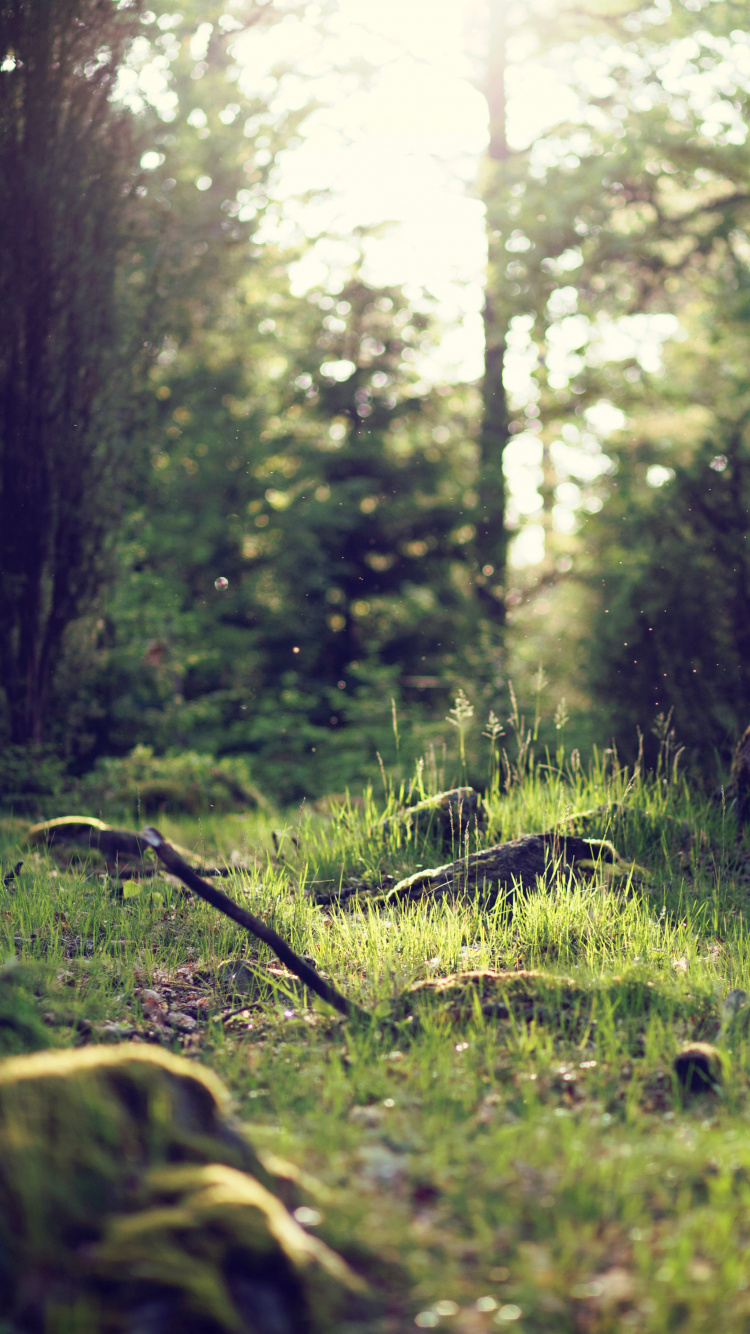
{"x": 531, "y": 1166}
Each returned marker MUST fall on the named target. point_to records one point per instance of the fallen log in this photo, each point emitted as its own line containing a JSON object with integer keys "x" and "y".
{"x": 90, "y": 832}
{"x": 116, "y": 845}
{"x": 520, "y": 863}
{"x": 303, "y": 970}
{"x": 517, "y": 864}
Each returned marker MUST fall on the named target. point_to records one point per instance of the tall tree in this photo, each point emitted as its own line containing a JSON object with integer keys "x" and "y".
{"x": 491, "y": 542}
{"x": 109, "y": 255}
{"x": 66, "y": 170}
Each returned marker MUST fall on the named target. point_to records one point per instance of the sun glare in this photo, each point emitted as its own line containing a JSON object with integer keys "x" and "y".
{"x": 399, "y": 152}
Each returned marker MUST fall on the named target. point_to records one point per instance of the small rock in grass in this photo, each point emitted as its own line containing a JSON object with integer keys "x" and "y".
{"x": 734, "y": 1001}
{"x": 370, "y": 1117}
{"x": 154, "y": 1005}
{"x": 237, "y": 977}
{"x": 698, "y": 1068}
{"x": 182, "y": 1021}
{"x": 735, "y": 1017}
{"x": 109, "y": 1028}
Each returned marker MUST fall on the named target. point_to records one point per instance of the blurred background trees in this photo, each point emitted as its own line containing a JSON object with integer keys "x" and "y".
{"x": 299, "y": 541}
{"x": 103, "y": 256}
{"x": 258, "y": 528}
{"x": 628, "y": 273}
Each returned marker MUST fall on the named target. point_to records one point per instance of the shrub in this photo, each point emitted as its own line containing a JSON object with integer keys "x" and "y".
{"x": 144, "y": 784}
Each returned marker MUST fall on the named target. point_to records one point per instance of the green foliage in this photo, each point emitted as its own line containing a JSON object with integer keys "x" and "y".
{"x": 298, "y": 555}
{"x": 305, "y": 519}
{"x": 672, "y": 607}
{"x": 21, "y": 1025}
{"x": 631, "y": 220}
{"x": 29, "y": 771}
{"x": 116, "y": 241}
{"x": 143, "y": 784}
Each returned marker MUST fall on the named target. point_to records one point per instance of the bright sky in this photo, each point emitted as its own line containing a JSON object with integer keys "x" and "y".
{"x": 403, "y": 149}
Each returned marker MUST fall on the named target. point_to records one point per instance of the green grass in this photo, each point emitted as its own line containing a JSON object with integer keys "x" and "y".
{"x": 543, "y": 1175}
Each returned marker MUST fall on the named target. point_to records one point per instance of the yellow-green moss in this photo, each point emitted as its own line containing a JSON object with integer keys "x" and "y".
{"x": 123, "y": 1183}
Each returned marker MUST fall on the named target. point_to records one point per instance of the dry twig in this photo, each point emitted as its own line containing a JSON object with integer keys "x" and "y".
{"x": 304, "y": 971}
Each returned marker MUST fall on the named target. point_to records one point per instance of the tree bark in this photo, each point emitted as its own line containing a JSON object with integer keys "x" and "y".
{"x": 491, "y": 536}
{"x": 66, "y": 157}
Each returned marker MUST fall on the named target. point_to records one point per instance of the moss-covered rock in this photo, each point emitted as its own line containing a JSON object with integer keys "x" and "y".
{"x": 129, "y": 1201}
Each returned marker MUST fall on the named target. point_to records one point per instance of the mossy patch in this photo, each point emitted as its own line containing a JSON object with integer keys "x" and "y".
{"x": 125, "y": 1185}
{"x": 565, "y": 1004}
{"x": 21, "y": 1026}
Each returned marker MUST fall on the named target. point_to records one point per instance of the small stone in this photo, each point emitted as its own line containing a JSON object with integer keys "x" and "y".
{"x": 698, "y": 1068}
{"x": 181, "y": 1021}
{"x": 154, "y": 1006}
{"x": 113, "y": 1030}
{"x": 370, "y": 1117}
{"x": 735, "y": 1001}
{"x": 237, "y": 977}
{"x": 380, "y": 1164}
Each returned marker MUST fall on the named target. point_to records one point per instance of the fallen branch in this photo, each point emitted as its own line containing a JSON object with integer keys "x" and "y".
{"x": 304, "y": 971}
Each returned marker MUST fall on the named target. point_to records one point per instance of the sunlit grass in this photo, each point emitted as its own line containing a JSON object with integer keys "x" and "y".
{"x": 542, "y": 1173}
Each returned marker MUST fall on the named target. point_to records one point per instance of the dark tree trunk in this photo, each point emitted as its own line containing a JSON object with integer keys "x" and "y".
{"x": 492, "y": 537}
{"x": 65, "y": 159}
